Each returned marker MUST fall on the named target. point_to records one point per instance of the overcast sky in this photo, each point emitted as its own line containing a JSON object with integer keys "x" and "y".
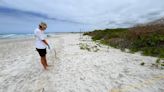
{"x": 23, "y": 16}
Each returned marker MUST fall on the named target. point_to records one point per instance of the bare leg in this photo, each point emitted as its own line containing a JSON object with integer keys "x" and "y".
{"x": 43, "y": 61}
{"x": 46, "y": 61}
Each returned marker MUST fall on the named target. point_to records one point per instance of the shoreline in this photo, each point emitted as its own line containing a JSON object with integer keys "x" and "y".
{"x": 30, "y": 35}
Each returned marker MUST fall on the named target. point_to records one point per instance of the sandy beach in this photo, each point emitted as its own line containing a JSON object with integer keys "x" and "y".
{"x": 74, "y": 69}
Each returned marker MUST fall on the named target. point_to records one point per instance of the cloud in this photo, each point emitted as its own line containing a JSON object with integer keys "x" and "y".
{"x": 100, "y": 13}
{"x": 16, "y": 21}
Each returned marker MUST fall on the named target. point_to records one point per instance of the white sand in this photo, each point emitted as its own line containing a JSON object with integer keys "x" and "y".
{"x": 75, "y": 70}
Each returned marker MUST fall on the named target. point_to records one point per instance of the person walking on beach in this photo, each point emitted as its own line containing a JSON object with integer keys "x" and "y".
{"x": 41, "y": 43}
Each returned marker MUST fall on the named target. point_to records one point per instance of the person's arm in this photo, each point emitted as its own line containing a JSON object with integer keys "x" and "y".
{"x": 46, "y": 43}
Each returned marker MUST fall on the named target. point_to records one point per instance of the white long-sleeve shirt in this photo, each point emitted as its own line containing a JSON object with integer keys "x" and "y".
{"x": 39, "y": 35}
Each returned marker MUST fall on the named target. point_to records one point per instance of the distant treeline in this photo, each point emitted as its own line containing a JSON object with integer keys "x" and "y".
{"x": 148, "y": 38}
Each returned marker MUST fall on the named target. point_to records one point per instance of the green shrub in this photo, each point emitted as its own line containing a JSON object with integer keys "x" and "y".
{"x": 147, "y": 39}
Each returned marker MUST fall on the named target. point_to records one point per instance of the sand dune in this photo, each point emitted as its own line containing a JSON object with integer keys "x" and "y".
{"x": 74, "y": 69}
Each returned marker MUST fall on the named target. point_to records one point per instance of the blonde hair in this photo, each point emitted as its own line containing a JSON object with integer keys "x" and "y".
{"x": 43, "y": 25}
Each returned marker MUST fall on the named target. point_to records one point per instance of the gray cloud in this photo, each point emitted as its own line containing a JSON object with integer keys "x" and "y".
{"x": 99, "y": 13}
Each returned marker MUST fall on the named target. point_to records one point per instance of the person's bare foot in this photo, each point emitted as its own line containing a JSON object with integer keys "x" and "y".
{"x": 46, "y": 69}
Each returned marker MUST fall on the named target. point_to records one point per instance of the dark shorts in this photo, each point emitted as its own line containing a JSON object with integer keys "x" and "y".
{"x": 42, "y": 52}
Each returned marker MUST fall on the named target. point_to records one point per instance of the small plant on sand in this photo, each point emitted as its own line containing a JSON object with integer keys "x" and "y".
{"x": 95, "y": 49}
{"x": 88, "y": 49}
{"x": 143, "y": 63}
{"x": 85, "y": 46}
{"x": 159, "y": 63}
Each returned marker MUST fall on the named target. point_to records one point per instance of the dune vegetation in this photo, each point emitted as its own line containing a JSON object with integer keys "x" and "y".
{"x": 149, "y": 39}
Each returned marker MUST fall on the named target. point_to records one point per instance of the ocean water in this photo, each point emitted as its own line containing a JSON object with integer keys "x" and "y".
{"x": 8, "y": 36}
{"x": 18, "y": 35}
